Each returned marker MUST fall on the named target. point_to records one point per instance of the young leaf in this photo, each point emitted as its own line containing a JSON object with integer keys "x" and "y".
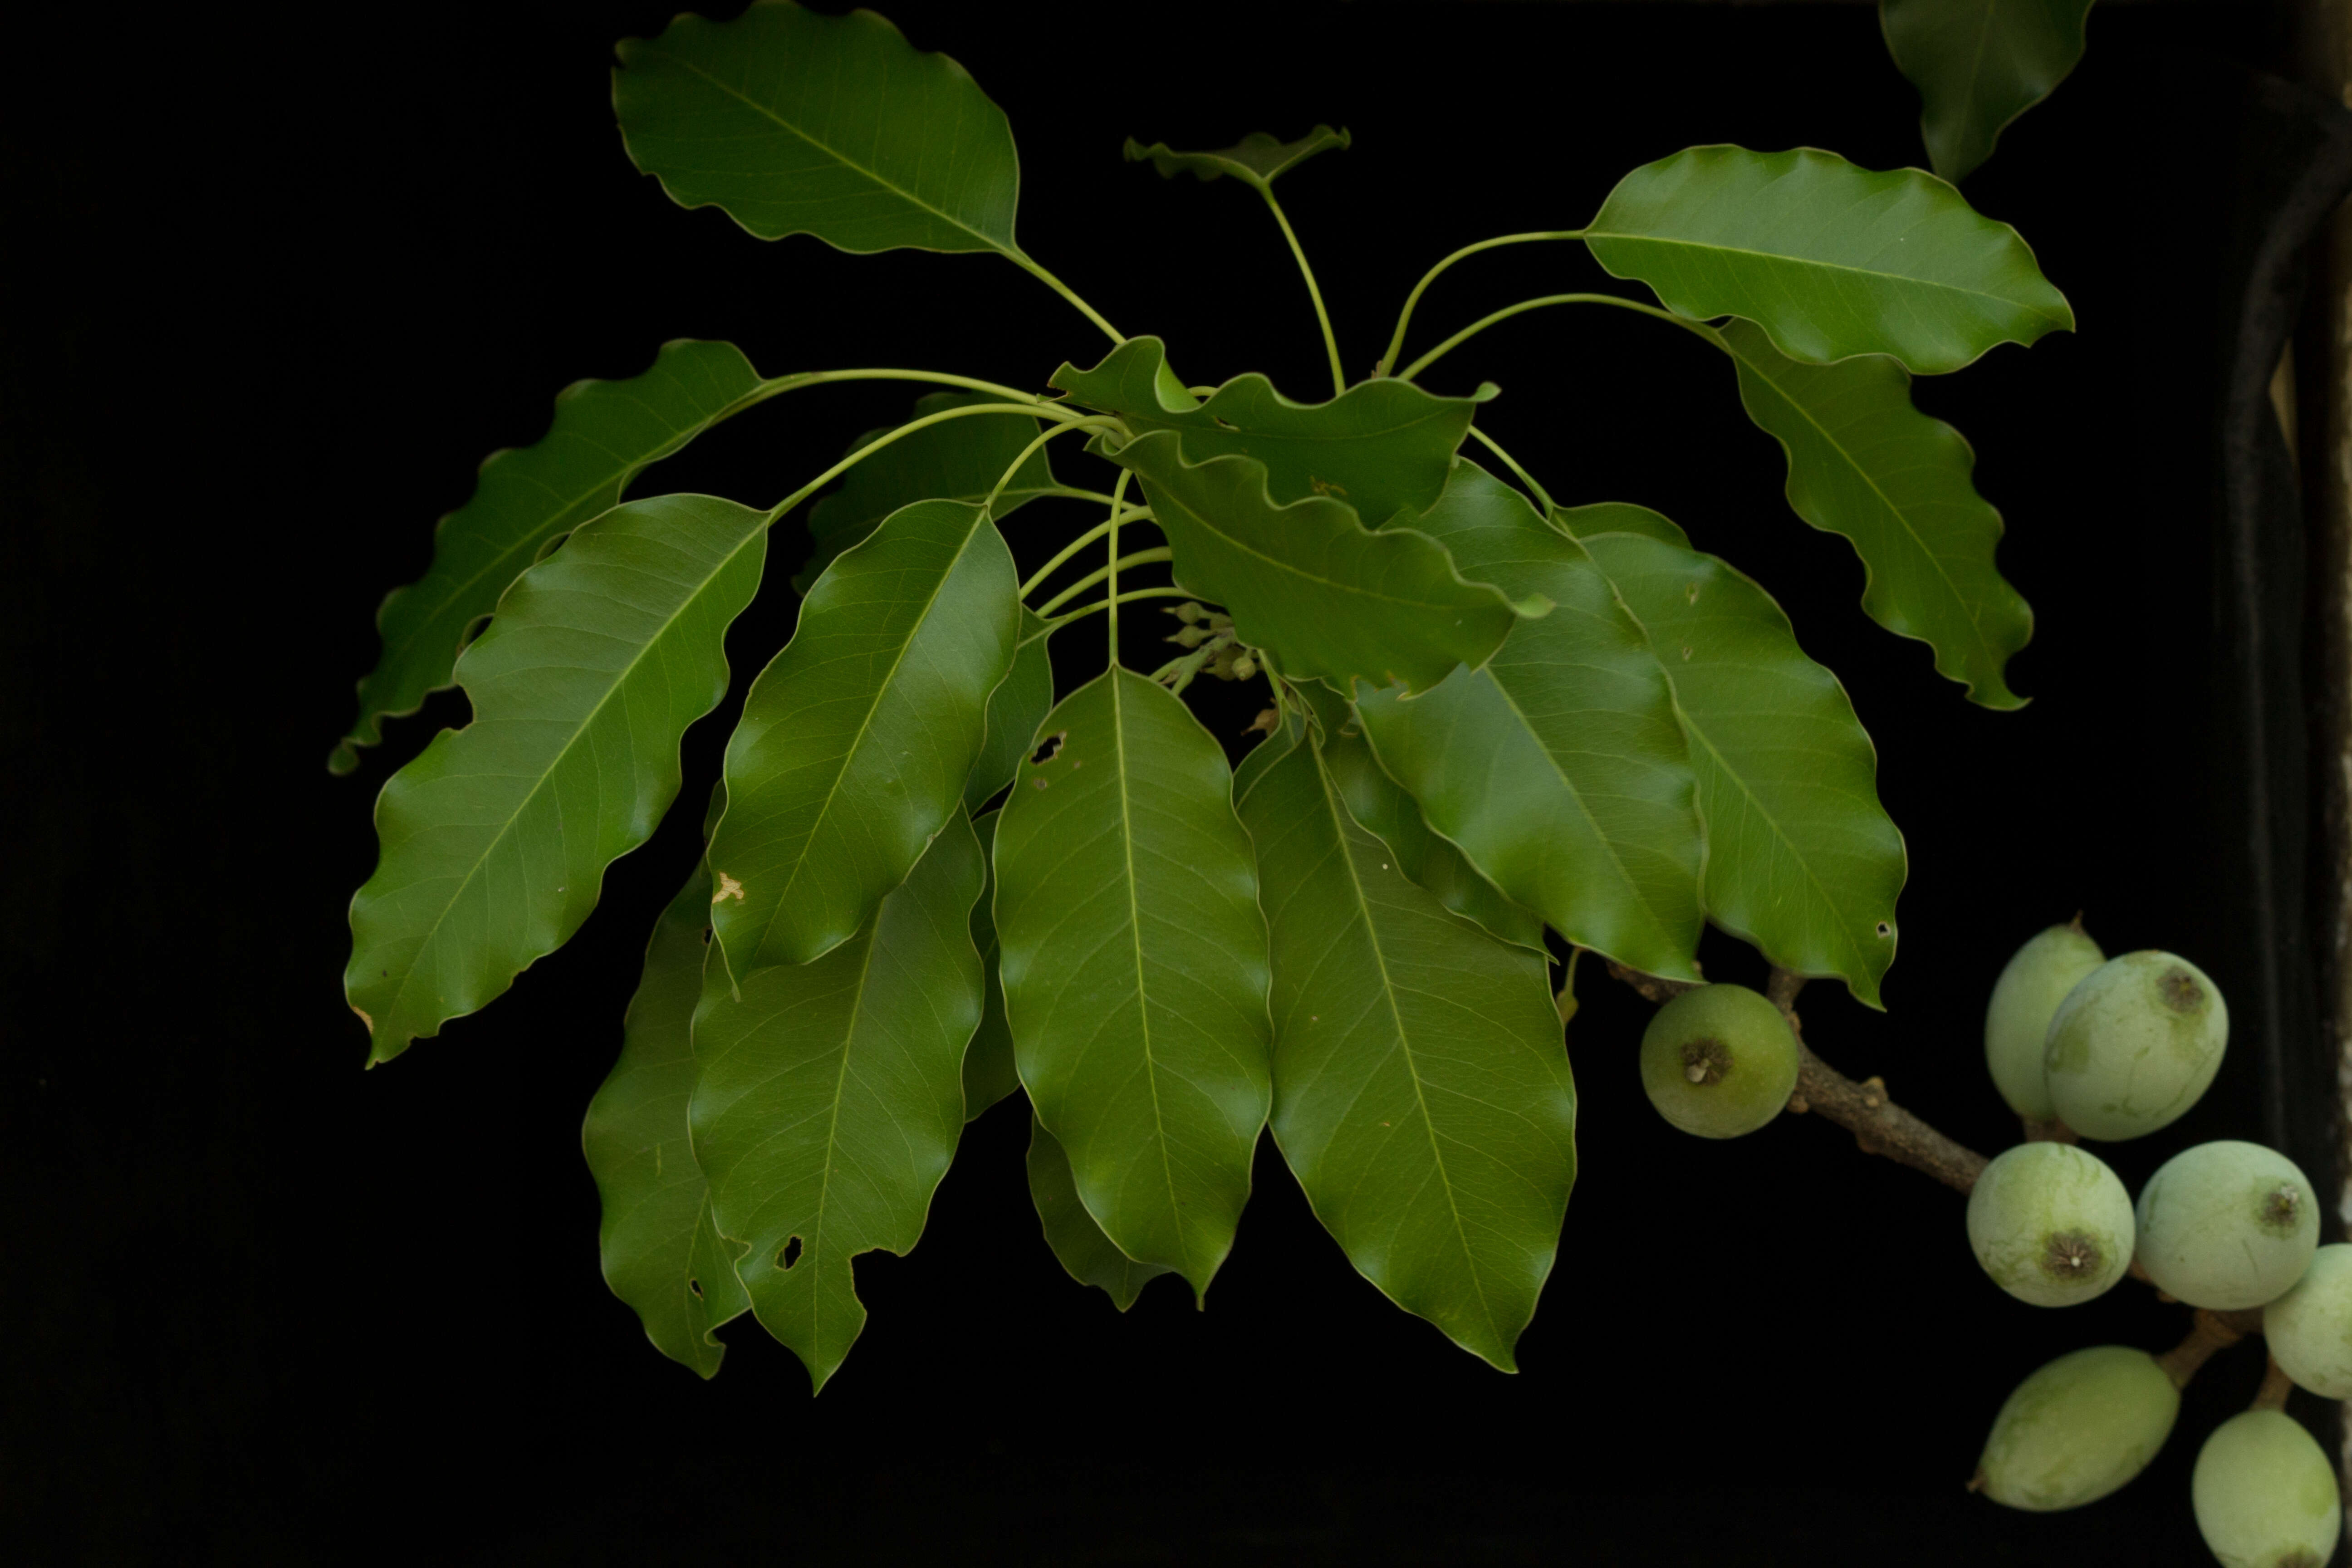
{"x": 1864, "y": 463}
{"x": 857, "y": 739}
{"x": 1420, "y": 1094}
{"x": 660, "y": 1252}
{"x": 1382, "y": 446}
{"x": 960, "y": 459}
{"x": 1258, "y": 160}
{"x": 604, "y": 433}
{"x": 1801, "y": 859}
{"x": 1016, "y": 708}
{"x": 495, "y": 840}
{"x": 989, "y": 1074}
{"x": 829, "y": 1100}
{"x": 1830, "y": 260}
{"x": 1310, "y": 584}
{"x": 794, "y": 122}
{"x": 1979, "y": 64}
{"x": 1558, "y": 767}
{"x": 1076, "y": 1240}
{"x": 1382, "y": 807}
{"x": 1134, "y": 961}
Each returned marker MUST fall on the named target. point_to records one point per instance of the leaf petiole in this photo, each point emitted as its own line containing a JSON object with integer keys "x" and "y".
{"x": 1322, "y": 317}
{"x": 1543, "y": 497}
{"x": 1404, "y": 316}
{"x": 1141, "y": 558}
{"x": 1507, "y": 311}
{"x": 1036, "y": 578}
{"x": 1130, "y": 596}
{"x": 1022, "y": 259}
{"x": 1110, "y": 598}
{"x": 1070, "y": 422}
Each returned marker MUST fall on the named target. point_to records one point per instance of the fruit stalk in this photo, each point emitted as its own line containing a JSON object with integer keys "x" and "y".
{"x": 2208, "y": 1332}
{"x": 2272, "y": 1393}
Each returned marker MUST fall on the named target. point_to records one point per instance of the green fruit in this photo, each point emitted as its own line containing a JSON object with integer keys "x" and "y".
{"x": 2077, "y": 1429}
{"x": 2051, "y": 1223}
{"x": 2227, "y": 1225}
{"x": 2310, "y": 1327}
{"x": 1719, "y": 1061}
{"x": 2133, "y": 1045}
{"x": 2266, "y": 1493}
{"x": 2023, "y": 999}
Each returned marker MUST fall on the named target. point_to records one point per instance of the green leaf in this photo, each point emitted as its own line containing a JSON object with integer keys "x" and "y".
{"x": 1076, "y": 1240}
{"x": 1864, "y": 463}
{"x": 1311, "y": 585}
{"x": 1381, "y": 446}
{"x": 605, "y": 433}
{"x": 1801, "y": 859}
{"x": 495, "y": 840}
{"x": 1258, "y": 159}
{"x": 1421, "y": 1094}
{"x": 857, "y": 739}
{"x": 958, "y": 459}
{"x": 1016, "y": 708}
{"x": 989, "y": 1073}
{"x": 1979, "y": 64}
{"x": 1292, "y": 724}
{"x": 661, "y": 1253}
{"x": 1380, "y": 804}
{"x": 1831, "y": 259}
{"x": 1558, "y": 767}
{"x": 830, "y": 1097}
{"x": 1134, "y": 963}
{"x": 794, "y": 122}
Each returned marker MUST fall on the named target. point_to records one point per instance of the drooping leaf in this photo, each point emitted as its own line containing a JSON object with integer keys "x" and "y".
{"x": 1381, "y": 446}
{"x": 1076, "y": 1240}
{"x": 1291, "y": 724}
{"x": 1310, "y": 584}
{"x": 1864, "y": 463}
{"x": 661, "y": 1253}
{"x": 1133, "y": 956}
{"x": 1801, "y": 859}
{"x": 1258, "y": 159}
{"x": 958, "y": 459}
{"x": 1979, "y": 64}
{"x": 495, "y": 840}
{"x": 1832, "y": 260}
{"x": 829, "y": 1098}
{"x": 989, "y": 1073}
{"x": 857, "y": 739}
{"x": 605, "y": 433}
{"x": 1382, "y": 807}
{"x": 796, "y": 122}
{"x": 1421, "y": 1094}
{"x": 1558, "y": 767}
{"x": 1016, "y": 708}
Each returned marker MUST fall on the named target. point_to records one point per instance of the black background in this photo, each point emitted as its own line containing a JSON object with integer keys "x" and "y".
{"x": 277, "y": 282}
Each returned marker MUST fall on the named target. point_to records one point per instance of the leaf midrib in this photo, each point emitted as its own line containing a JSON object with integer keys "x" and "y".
{"x": 1142, "y": 1002}
{"x": 2037, "y": 311}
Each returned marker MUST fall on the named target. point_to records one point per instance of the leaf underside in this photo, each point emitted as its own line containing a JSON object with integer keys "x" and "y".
{"x": 1258, "y": 159}
{"x": 989, "y": 1073}
{"x": 1979, "y": 64}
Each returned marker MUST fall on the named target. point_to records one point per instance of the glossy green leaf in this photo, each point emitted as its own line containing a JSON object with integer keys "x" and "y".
{"x": 989, "y": 1073}
{"x": 857, "y": 740}
{"x": 1381, "y": 446}
{"x": 1801, "y": 859}
{"x": 1293, "y": 724}
{"x": 1421, "y": 1093}
{"x": 1016, "y": 708}
{"x": 1831, "y": 259}
{"x": 1310, "y": 584}
{"x": 1258, "y": 159}
{"x": 1380, "y": 805}
{"x": 1979, "y": 64}
{"x": 1076, "y": 1240}
{"x": 604, "y": 433}
{"x": 661, "y": 1253}
{"x": 1864, "y": 463}
{"x": 1558, "y": 767}
{"x": 829, "y": 1098}
{"x": 796, "y": 122}
{"x": 495, "y": 840}
{"x": 959, "y": 460}
{"x": 1134, "y": 963}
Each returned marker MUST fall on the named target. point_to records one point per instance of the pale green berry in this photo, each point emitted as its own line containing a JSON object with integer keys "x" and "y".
{"x": 2133, "y": 1045}
{"x": 2310, "y": 1328}
{"x": 2024, "y": 998}
{"x": 2051, "y": 1223}
{"x": 2227, "y": 1225}
{"x": 2077, "y": 1429}
{"x": 1718, "y": 1061}
{"x": 2265, "y": 1494}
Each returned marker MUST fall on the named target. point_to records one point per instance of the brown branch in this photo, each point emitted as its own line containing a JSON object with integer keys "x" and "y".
{"x": 2209, "y": 1332}
{"x": 1650, "y": 985}
{"x": 1879, "y": 1125}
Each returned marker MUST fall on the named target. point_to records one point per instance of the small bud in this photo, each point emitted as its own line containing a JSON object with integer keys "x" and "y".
{"x": 1191, "y": 637}
{"x": 1244, "y": 667}
{"x": 1188, "y": 612}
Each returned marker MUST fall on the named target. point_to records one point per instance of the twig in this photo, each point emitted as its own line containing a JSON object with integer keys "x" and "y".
{"x": 1879, "y": 1125}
